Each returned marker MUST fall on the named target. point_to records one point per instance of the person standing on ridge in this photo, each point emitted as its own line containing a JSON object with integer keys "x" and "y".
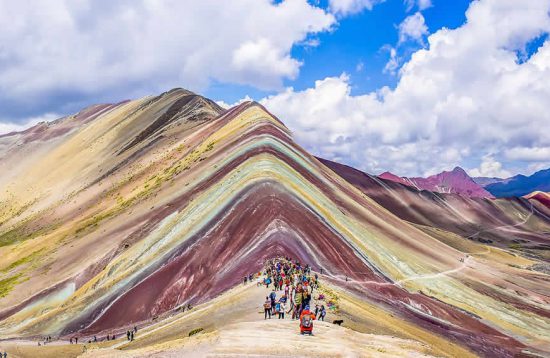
{"x": 322, "y": 313}
{"x": 267, "y": 307}
{"x": 306, "y": 321}
{"x": 282, "y": 308}
{"x": 273, "y": 296}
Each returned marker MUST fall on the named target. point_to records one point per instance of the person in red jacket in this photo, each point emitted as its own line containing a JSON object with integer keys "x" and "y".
{"x": 306, "y": 321}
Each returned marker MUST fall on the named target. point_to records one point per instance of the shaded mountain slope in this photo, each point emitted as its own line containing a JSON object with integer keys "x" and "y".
{"x": 136, "y": 213}
{"x": 541, "y": 201}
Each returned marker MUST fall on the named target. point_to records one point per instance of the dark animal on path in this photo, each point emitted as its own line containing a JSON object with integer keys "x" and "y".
{"x": 338, "y": 321}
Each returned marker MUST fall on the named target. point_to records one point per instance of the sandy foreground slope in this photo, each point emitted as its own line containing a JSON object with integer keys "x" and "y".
{"x": 234, "y": 326}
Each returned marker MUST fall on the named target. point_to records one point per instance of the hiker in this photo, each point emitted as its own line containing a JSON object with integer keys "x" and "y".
{"x": 297, "y": 302}
{"x": 95, "y": 339}
{"x": 131, "y": 335}
{"x": 273, "y": 296}
{"x": 297, "y": 311}
{"x": 113, "y": 337}
{"x": 267, "y": 307}
{"x": 306, "y": 321}
{"x": 75, "y": 340}
{"x": 306, "y": 297}
{"x": 322, "y": 313}
{"x": 282, "y": 308}
{"x": 245, "y": 280}
{"x": 128, "y": 335}
{"x": 71, "y": 340}
{"x": 135, "y": 329}
{"x": 277, "y": 308}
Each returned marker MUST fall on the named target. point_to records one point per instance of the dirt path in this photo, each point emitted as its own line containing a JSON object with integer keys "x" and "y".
{"x": 234, "y": 326}
{"x": 461, "y": 267}
{"x": 505, "y": 226}
{"x": 258, "y": 337}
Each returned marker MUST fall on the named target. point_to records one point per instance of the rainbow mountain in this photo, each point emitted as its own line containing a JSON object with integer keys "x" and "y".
{"x": 124, "y": 214}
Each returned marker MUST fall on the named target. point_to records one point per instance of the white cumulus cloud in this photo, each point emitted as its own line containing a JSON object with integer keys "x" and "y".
{"x": 463, "y": 99}
{"x": 348, "y": 7}
{"x": 141, "y": 46}
{"x": 491, "y": 168}
{"x": 413, "y": 28}
{"x": 528, "y": 154}
{"x": 421, "y": 4}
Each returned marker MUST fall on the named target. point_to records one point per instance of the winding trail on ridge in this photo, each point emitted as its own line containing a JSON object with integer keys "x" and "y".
{"x": 506, "y": 226}
{"x": 412, "y": 278}
{"x": 464, "y": 261}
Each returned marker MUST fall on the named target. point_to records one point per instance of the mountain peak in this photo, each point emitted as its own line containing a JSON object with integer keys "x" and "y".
{"x": 456, "y": 181}
{"x": 459, "y": 170}
{"x": 386, "y": 174}
{"x": 179, "y": 90}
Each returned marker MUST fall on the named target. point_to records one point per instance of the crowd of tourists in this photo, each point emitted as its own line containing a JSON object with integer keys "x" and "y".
{"x": 292, "y": 286}
{"x": 297, "y": 284}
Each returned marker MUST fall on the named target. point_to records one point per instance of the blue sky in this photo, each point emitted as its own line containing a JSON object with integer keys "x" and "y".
{"x": 356, "y": 39}
{"x": 410, "y": 86}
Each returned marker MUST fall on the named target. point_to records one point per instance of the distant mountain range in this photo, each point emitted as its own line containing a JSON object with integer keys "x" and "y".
{"x": 518, "y": 185}
{"x": 469, "y": 217}
{"x": 456, "y": 181}
{"x": 484, "y": 181}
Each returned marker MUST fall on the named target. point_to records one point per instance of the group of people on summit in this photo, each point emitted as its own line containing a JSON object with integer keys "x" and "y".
{"x": 297, "y": 285}
{"x": 291, "y": 277}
